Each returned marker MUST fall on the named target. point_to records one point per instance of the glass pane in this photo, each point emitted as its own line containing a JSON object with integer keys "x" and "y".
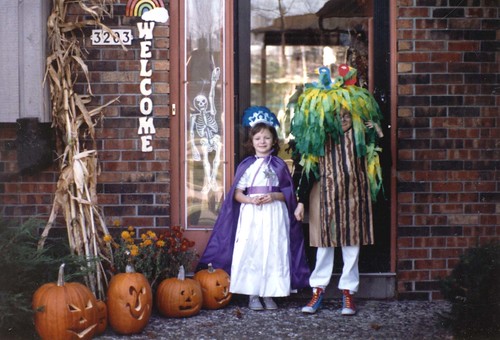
{"x": 291, "y": 39}
{"x": 204, "y": 114}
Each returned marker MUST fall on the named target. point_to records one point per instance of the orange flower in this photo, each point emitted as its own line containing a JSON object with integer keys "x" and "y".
{"x": 107, "y": 238}
{"x": 160, "y": 243}
{"x": 116, "y": 223}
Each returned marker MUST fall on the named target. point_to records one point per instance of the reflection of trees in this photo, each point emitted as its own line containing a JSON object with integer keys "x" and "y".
{"x": 202, "y": 20}
{"x": 280, "y": 9}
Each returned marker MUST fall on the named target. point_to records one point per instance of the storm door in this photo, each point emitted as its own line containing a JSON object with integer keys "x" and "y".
{"x": 282, "y": 43}
{"x": 201, "y": 112}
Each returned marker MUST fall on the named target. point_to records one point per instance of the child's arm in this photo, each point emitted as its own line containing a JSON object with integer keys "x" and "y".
{"x": 242, "y": 198}
{"x": 299, "y": 212}
{"x": 271, "y": 197}
{"x": 258, "y": 200}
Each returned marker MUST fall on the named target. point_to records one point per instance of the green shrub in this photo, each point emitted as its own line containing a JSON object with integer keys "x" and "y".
{"x": 23, "y": 269}
{"x": 473, "y": 288}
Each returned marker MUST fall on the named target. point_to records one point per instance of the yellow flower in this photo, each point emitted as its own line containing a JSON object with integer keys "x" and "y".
{"x": 134, "y": 250}
{"x": 144, "y": 236}
{"x": 107, "y": 238}
{"x": 160, "y": 243}
{"x": 116, "y": 223}
{"x": 125, "y": 235}
{"x": 152, "y": 234}
{"x": 147, "y": 243}
{"x": 130, "y": 228}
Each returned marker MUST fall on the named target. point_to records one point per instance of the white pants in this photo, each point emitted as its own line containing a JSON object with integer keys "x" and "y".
{"x": 322, "y": 273}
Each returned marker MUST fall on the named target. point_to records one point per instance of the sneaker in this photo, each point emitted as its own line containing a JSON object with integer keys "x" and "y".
{"x": 254, "y": 303}
{"x": 269, "y": 303}
{"x": 348, "y": 307}
{"x": 315, "y": 302}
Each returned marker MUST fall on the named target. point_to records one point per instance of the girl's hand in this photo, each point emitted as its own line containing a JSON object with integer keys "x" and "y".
{"x": 255, "y": 200}
{"x": 267, "y": 198}
{"x": 299, "y": 212}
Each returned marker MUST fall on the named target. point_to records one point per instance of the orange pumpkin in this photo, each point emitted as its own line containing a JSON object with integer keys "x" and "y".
{"x": 64, "y": 310}
{"x": 214, "y": 286}
{"x": 179, "y": 297}
{"x": 102, "y": 317}
{"x": 130, "y": 301}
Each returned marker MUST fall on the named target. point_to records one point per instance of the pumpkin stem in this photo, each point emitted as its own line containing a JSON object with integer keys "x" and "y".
{"x": 129, "y": 268}
{"x": 211, "y": 268}
{"x": 182, "y": 273}
{"x": 60, "y": 276}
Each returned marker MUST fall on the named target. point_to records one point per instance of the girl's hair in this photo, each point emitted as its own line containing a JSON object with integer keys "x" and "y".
{"x": 258, "y": 128}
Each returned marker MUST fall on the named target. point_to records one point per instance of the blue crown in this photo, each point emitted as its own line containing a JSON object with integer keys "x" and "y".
{"x": 259, "y": 114}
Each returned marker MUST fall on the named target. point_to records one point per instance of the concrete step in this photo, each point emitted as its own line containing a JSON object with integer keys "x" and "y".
{"x": 371, "y": 286}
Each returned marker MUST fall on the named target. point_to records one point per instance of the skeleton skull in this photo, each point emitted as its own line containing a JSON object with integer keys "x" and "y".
{"x": 200, "y": 102}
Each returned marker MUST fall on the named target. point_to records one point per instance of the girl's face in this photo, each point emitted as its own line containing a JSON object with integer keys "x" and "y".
{"x": 263, "y": 142}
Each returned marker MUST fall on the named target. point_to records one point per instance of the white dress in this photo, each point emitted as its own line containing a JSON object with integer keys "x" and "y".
{"x": 260, "y": 264}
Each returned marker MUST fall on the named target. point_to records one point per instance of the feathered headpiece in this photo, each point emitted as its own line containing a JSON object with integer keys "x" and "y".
{"x": 259, "y": 114}
{"x": 317, "y": 116}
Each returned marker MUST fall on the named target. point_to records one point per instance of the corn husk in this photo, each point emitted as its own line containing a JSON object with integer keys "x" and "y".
{"x": 75, "y": 197}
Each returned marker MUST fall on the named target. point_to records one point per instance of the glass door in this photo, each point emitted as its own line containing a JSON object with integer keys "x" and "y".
{"x": 201, "y": 110}
{"x": 281, "y": 45}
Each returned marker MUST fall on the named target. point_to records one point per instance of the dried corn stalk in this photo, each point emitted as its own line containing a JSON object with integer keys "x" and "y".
{"x": 74, "y": 122}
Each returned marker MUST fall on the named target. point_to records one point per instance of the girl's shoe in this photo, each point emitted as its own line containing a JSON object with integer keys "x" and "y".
{"x": 254, "y": 303}
{"x": 269, "y": 303}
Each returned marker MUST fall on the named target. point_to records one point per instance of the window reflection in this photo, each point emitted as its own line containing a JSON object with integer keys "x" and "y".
{"x": 290, "y": 39}
{"x": 204, "y": 116}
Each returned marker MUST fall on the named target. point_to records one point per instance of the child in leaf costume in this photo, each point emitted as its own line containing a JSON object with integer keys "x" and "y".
{"x": 336, "y": 127}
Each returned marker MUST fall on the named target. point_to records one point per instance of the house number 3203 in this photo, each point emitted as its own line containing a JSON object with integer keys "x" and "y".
{"x": 102, "y": 37}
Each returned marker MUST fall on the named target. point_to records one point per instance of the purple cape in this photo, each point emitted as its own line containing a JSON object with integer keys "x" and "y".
{"x": 219, "y": 250}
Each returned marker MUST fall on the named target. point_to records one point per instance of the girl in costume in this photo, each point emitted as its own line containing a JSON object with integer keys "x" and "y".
{"x": 256, "y": 237}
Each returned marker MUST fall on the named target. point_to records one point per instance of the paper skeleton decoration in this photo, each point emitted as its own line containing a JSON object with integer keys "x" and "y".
{"x": 203, "y": 122}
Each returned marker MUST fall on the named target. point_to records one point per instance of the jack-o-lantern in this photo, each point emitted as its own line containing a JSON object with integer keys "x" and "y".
{"x": 179, "y": 297}
{"x": 215, "y": 287}
{"x": 102, "y": 317}
{"x": 64, "y": 310}
{"x": 130, "y": 301}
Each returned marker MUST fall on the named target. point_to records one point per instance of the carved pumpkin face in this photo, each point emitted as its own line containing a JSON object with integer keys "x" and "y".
{"x": 215, "y": 287}
{"x": 130, "y": 302}
{"x": 65, "y": 310}
{"x": 177, "y": 298}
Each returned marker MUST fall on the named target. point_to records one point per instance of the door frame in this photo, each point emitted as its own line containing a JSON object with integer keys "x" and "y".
{"x": 177, "y": 124}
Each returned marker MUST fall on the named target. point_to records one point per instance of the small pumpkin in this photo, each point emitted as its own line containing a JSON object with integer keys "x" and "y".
{"x": 64, "y": 310}
{"x": 214, "y": 286}
{"x": 179, "y": 297}
{"x": 102, "y": 317}
{"x": 130, "y": 301}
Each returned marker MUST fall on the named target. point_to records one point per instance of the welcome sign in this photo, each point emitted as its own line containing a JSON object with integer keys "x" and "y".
{"x": 151, "y": 12}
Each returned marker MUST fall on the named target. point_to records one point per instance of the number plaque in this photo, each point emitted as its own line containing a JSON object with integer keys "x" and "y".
{"x": 102, "y": 37}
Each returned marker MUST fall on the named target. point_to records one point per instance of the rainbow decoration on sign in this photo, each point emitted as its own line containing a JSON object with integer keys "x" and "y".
{"x": 136, "y": 8}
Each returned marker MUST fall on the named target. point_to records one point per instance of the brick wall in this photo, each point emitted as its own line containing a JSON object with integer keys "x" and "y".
{"x": 22, "y": 195}
{"x": 133, "y": 185}
{"x": 448, "y": 65}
